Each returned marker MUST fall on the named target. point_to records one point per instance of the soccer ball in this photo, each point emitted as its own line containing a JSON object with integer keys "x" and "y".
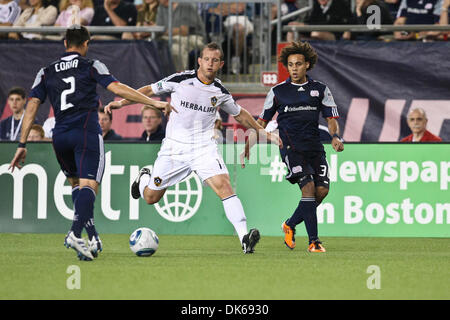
{"x": 144, "y": 242}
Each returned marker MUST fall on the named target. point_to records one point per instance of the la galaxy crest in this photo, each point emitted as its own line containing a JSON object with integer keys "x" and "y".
{"x": 213, "y": 101}
{"x": 157, "y": 181}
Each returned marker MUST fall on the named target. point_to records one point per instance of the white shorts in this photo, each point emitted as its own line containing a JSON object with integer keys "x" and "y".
{"x": 176, "y": 161}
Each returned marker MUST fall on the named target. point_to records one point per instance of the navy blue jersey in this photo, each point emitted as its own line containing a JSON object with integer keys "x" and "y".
{"x": 71, "y": 85}
{"x": 299, "y": 107}
{"x": 420, "y": 11}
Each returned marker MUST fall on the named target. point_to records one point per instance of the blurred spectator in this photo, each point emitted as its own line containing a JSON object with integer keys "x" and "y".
{"x": 233, "y": 20}
{"x": 23, "y": 4}
{"x": 299, "y": 20}
{"x": 48, "y": 126}
{"x": 79, "y": 12}
{"x": 10, "y": 127}
{"x": 105, "y": 121}
{"x": 36, "y": 133}
{"x": 417, "y": 122}
{"x": 152, "y": 123}
{"x": 329, "y": 12}
{"x": 9, "y": 13}
{"x": 444, "y": 17}
{"x": 363, "y": 17}
{"x": 146, "y": 17}
{"x": 393, "y": 6}
{"x": 114, "y": 13}
{"x": 418, "y": 12}
{"x": 188, "y": 31}
{"x": 39, "y": 14}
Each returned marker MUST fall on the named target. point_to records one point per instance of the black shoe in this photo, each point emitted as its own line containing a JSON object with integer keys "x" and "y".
{"x": 250, "y": 240}
{"x": 135, "y": 193}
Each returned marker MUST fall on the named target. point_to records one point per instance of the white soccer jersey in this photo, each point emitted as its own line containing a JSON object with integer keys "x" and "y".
{"x": 196, "y": 104}
{"x": 9, "y": 12}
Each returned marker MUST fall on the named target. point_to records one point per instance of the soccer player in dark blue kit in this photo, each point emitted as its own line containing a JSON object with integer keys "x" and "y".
{"x": 299, "y": 101}
{"x": 71, "y": 83}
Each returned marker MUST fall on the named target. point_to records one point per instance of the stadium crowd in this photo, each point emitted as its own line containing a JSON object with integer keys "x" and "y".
{"x": 195, "y": 24}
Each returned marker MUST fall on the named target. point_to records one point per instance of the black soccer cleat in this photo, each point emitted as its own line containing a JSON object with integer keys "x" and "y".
{"x": 250, "y": 240}
{"x": 135, "y": 193}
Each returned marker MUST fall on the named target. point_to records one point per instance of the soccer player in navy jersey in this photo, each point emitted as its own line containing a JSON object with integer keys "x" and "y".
{"x": 70, "y": 83}
{"x": 299, "y": 101}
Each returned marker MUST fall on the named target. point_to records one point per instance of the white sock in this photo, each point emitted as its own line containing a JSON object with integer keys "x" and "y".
{"x": 145, "y": 180}
{"x": 235, "y": 214}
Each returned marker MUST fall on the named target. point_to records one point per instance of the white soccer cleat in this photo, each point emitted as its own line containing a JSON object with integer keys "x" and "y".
{"x": 79, "y": 245}
{"x": 95, "y": 246}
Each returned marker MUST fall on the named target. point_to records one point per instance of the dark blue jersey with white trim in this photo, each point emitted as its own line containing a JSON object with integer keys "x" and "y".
{"x": 299, "y": 107}
{"x": 71, "y": 85}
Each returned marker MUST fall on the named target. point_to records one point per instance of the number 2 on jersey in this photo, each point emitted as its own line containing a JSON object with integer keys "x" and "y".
{"x": 65, "y": 93}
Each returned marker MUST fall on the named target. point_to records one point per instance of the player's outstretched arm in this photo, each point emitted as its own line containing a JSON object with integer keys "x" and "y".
{"x": 333, "y": 128}
{"x": 28, "y": 120}
{"x": 138, "y": 96}
{"x": 247, "y": 120}
{"x": 251, "y": 141}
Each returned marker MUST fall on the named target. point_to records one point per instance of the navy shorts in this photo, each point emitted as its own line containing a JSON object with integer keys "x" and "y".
{"x": 304, "y": 163}
{"x": 80, "y": 153}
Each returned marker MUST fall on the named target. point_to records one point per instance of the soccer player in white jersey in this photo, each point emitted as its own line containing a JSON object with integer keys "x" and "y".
{"x": 189, "y": 144}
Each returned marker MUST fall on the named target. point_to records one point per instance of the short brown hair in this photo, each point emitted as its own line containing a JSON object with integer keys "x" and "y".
{"x": 39, "y": 129}
{"x": 17, "y": 90}
{"x": 303, "y": 48}
{"x": 102, "y": 110}
{"x": 213, "y": 46}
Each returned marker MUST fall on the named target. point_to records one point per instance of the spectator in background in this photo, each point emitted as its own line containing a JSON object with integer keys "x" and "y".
{"x": 238, "y": 26}
{"x": 417, "y": 122}
{"x": 152, "y": 123}
{"x": 417, "y": 12}
{"x": 114, "y": 13}
{"x": 393, "y": 6}
{"x": 188, "y": 31}
{"x": 36, "y": 133}
{"x": 146, "y": 17}
{"x": 105, "y": 121}
{"x": 329, "y": 12}
{"x": 75, "y": 12}
{"x": 9, "y": 13}
{"x": 444, "y": 17}
{"x": 362, "y": 16}
{"x": 11, "y": 127}
{"x": 299, "y": 20}
{"x": 39, "y": 14}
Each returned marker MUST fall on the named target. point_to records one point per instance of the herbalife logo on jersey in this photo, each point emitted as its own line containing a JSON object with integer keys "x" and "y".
{"x": 196, "y": 107}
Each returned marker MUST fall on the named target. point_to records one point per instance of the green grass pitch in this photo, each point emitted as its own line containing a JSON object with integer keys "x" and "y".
{"x": 35, "y": 266}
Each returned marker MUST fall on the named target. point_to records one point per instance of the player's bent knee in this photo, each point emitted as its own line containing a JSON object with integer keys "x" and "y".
{"x": 321, "y": 193}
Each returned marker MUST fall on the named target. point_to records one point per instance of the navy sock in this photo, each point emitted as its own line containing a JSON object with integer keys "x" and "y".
{"x": 77, "y": 224}
{"x": 84, "y": 211}
{"x": 307, "y": 212}
{"x": 75, "y": 192}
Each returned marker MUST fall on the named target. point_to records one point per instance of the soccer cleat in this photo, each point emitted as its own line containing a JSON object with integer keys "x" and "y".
{"x": 79, "y": 245}
{"x": 135, "y": 193}
{"x": 250, "y": 240}
{"x": 289, "y": 236}
{"x": 95, "y": 246}
{"x": 316, "y": 246}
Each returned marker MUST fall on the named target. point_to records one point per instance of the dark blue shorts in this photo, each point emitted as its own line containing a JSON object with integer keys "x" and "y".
{"x": 301, "y": 164}
{"x": 80, "y": 153}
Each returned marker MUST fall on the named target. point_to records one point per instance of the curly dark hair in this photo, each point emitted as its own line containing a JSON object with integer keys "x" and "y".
{"x": 303, "y": 48}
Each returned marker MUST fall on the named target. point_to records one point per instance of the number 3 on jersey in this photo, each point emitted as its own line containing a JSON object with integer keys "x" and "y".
{"x": 65, "y": 93}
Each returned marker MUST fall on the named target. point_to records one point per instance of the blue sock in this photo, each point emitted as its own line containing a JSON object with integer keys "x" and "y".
{"x": 84, "y": 211}
{"x": 307, "y": 212}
